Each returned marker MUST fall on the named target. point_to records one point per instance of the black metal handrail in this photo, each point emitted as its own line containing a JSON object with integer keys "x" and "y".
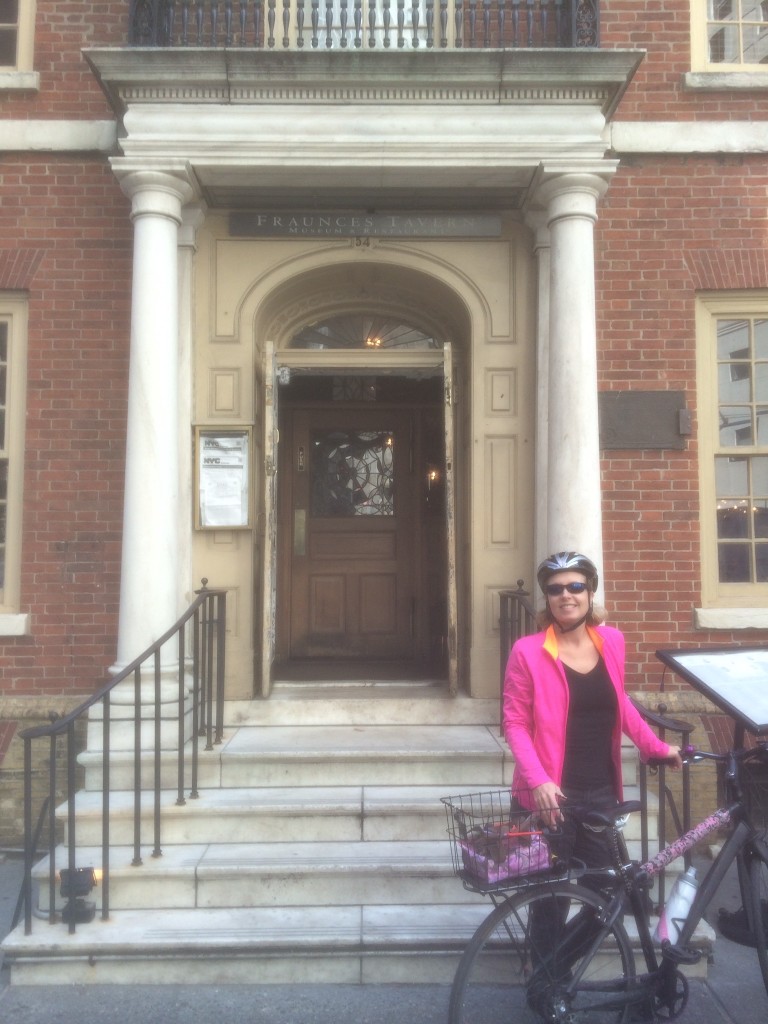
{"x": 517, "y": 617}
{"x": 365, "y": 24}
{"x": 199, "y": 650}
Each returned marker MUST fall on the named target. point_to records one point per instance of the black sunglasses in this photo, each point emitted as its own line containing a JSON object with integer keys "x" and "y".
{"x": 555, "y": 589}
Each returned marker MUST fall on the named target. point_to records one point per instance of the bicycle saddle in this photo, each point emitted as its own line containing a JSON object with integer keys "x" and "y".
{"x": 611, "y": 815}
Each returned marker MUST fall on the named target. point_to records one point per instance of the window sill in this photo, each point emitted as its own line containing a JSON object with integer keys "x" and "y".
{"x": 726, "y": 81}
{"x": 19, "y": 81}
{"x": 730, "y": 618}
{"x": 14, "y": 625}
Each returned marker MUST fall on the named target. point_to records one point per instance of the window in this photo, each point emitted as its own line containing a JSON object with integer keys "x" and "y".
{"x": 17, "y": 29}
{"x": 730, "y": 35}
{"x": 733, "y": 411}
{"x": 13, "y": 330}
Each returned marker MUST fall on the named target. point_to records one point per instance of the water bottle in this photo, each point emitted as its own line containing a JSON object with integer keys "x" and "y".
{"x": 675, "y": 912}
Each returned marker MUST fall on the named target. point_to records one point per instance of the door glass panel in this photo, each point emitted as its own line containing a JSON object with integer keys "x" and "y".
{"x": 352, "y": 473}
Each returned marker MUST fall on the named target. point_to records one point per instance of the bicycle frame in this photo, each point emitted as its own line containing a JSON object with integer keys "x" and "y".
{"x": 742, "y": 843}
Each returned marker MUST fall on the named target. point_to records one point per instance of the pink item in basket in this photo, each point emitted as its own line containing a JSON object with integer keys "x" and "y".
{"x": 493, "y": 857}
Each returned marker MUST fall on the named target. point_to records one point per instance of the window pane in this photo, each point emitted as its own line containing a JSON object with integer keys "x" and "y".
{"x": 720, "y": 10}
{"x": 762, "y": 424}
{"x": 760, "y": 382}
{"x": 732, "y": 520}
{"x": 8, "y": 47}
{"x": 761, "y": 562}
{"x": 752, "y": 44}
{"x": 761, "y": 339}
{"x": 752, "y": 10}
{"x": 760, "y": 475}
{"x": 735, "y": 426}
{"x": 732, "y": 339}
{"x": 760, "y": 513}
{"x": 734, "y": 382}
{"x": 731, "y": 478}
{"x": 9, "y": 12}
{"x": 733, "y": 560}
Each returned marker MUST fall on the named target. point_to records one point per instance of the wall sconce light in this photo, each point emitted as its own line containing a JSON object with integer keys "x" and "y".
{"x": 75, "y": 885}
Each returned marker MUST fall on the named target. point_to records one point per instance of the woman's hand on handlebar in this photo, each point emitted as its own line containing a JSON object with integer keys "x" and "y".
{"x": 547, "y": 798}
{"x": 674, "y": 758}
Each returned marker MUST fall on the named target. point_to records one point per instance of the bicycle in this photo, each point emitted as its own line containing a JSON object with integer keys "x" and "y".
{"x": 556, "y": 947}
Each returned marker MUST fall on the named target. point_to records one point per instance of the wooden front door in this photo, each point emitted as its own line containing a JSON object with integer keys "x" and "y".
{"x": 353, "y": 515}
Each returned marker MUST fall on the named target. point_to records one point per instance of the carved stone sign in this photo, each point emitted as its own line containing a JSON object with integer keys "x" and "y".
{"x": 350, "y": 224}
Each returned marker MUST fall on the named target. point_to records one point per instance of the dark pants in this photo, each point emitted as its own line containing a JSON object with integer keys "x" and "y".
{"x": 575, "y": 843}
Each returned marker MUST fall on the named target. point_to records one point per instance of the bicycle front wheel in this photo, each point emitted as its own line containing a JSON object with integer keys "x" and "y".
{"x": 542, "y": 956}
{"x": 758, "y": 884}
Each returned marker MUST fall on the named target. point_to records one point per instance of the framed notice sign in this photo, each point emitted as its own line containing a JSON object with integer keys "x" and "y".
{"x": 223, "y": 478}
{"x": 735, "y": 679}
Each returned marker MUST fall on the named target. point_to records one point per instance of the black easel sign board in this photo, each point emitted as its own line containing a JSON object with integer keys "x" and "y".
{"x": 735, "y": 679}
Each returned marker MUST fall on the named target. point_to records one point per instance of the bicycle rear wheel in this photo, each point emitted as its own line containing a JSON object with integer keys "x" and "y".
{"x": 522, "y": 957}
{"x": 758, "y": 884}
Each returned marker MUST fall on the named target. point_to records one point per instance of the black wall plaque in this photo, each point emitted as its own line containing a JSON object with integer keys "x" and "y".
{"x": 643, "y": 419}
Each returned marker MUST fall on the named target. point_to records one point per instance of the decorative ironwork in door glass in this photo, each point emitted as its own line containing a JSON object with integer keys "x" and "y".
{"x": 352, "y": 473}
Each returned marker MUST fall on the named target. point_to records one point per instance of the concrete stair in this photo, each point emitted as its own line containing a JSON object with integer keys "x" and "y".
{"x": 318, "y": 836}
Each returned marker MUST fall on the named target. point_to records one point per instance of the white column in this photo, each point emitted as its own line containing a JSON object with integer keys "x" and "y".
{"x": 192, "y": 217}
{"x": 537, "y": 222}
{"x": 574, "y": 512}
{"x": 151, "y": 590}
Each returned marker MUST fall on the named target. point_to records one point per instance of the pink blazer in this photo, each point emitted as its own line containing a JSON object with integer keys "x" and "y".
{"x": 536, "y": 709}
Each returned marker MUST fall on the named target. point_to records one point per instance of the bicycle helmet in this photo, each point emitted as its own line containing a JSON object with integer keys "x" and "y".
{"x": 567, "y": 561}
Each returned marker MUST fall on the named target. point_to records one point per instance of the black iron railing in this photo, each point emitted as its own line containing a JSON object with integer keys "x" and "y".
{"x": 365, "y": 24}
{"x": 196, "y": 646}
{"x": 518, "y": 618}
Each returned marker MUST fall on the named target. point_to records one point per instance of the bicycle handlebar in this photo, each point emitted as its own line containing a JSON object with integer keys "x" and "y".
{"x": 691, "y": 754}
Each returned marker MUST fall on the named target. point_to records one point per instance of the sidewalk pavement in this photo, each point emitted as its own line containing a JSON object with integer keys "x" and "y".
{"x": 732, "y": 994}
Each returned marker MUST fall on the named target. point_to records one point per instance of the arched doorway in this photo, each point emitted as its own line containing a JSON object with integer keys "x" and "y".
{"x": 360, "y": 540}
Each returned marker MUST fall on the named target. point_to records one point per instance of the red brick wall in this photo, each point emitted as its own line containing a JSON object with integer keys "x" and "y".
{"x": 667, "y": 227}
{"x": 68, "y": 216}
{"x": 662, "y": 29}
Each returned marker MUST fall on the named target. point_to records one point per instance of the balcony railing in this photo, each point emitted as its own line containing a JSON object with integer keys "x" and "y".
{"x": 365, "y": 24}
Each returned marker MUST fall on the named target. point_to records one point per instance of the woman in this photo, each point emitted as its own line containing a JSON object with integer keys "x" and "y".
{"x": 565, "y": 707}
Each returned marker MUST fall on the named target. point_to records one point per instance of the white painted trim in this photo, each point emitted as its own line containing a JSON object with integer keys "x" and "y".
{"x": 688, "y": 137}
{"x": 25, "y": 81}
{"x": 730, "y": 618}
{"x": 14, "y": 624}
{"x": 50, "y": 136}
{"x": 720, "y": 81}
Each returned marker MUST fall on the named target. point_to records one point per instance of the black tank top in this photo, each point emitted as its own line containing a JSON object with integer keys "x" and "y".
{"x": 591, "y": 721}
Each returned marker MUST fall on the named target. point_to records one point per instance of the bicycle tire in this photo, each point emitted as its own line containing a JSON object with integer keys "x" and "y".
{"x": 496, "y": 981}
{"x": 758, "y": 885}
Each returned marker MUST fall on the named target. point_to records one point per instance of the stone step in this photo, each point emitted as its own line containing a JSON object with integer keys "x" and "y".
{"x": 272, "y": 874}
{"x": 271, "y": 814}
{"x": 342, "y": 945}
{"x": 278, "y": 814}
{"x": 360, "y": 703}
{"x": 337, "y": 755}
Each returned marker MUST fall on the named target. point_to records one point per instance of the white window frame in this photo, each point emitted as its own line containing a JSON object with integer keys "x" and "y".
{"x": 705, "y": 74}
{"x": 724, "y": 605}
{"x": 22, "y": 75}
{"x": 14, "y": 312}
